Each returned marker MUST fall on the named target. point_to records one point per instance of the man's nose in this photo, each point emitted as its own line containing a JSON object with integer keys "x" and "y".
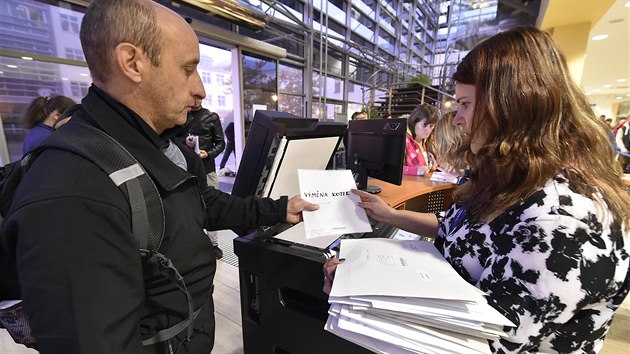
{"x": 197, "y": 88}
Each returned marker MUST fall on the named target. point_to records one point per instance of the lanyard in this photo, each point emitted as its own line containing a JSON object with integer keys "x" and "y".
{"x": 458, "y": 219}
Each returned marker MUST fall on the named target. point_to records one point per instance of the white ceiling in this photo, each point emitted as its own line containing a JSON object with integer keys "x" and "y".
{"x": 606, "y": 62}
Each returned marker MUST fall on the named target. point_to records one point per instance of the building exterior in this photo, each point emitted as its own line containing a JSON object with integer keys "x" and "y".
{"x": 321, "y": 59}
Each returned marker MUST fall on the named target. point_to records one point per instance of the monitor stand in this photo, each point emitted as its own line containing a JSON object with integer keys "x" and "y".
{"x": 361, "y": 178}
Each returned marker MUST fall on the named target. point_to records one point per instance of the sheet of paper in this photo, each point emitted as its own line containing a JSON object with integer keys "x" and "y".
{"x": 466, "y": 311}
{"x": 441, "y": 176}
{"x": 284, "y": 178}
{"x": 338, "y": 211}
{"x": 296, "y": 234}
{"x": 360, "y": 339}
{"x": 405, "y": 235}
{"x": 398, "y": 268}
{"x": 450, "y": 341}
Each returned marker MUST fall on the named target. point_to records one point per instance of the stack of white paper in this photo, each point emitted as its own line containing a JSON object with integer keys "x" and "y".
{"x": 402, "y": 296}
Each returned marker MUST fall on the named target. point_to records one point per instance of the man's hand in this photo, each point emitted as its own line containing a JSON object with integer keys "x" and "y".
{"x": 203, "y": 154}
{"x": 295, "y": 207}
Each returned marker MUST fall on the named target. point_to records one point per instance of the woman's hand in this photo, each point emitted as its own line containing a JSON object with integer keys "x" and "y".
{"x": 330, "y": 267}
{"x": 375, "y": 207}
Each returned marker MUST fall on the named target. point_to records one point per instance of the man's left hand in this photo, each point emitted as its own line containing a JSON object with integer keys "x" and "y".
{"x": 295, "y": 207}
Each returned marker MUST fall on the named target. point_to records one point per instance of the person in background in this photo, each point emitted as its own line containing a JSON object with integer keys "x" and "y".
{"x": 229, "y": 149}
{"x": 447, "y": 139}
{"x": 622, "y": 142}
{"x": 206, "y": 127}
{"x": 418, "y": 156}
{"x": 360, "y": 115}
{"x": 40, "y": 116}
{"x": 609, "y": 122}
{"x": 542, "y": 227}
{"x": 84, "y": 285}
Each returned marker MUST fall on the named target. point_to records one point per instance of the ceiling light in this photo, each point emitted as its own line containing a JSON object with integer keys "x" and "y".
{"x": 65, "y": 79}
{"x": 608, "y": 86}
{"x": 627, "y": 4}
{"x": 596, "y": 90}
{"x": 27, "y": 58}
{"x": 628, "y": 95}
{"x": 588, "y": 94}
{"x": 11, "y": 66}
{"x": 1, "y": 72}
{"x": 618, "y": 97}
{"x": 83, "y": 74}
{"x": 600, "y": 37}
{"x": 621, "y": 80}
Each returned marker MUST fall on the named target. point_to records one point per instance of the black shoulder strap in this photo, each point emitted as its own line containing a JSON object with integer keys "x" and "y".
{"x": 147, "y": 216}
{"x": 124, "y": 170}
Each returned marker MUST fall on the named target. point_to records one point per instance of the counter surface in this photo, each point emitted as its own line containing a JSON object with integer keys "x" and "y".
{"x": 411, "y": 190}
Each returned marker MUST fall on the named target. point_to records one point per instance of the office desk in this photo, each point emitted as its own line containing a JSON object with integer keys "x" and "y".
{"x": 417, "y": 193}
{"x": 283, "y": 308}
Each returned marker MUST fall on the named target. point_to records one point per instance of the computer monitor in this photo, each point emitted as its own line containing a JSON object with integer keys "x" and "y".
{"x": 277, "y": 145}
{"x": 376, "y": 148}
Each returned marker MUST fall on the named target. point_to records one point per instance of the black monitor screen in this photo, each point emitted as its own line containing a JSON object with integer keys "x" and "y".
{"x": 376, "y": 148}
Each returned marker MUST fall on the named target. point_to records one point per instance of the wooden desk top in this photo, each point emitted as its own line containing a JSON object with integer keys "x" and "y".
{"x": 411, "y": 187}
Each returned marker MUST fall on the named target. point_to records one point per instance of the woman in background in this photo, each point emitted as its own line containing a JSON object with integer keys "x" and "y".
{"x": 447, "y": 140}
{"x": 418, "y": 156}
{"x": 40, "y": 117}
{"x": 542, "y": 226}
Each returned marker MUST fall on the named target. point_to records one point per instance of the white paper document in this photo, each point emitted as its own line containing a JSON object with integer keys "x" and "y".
{"x": 402, "y": 296}
{"x": 296, "y": 234}
{"x": 398, "y": 268}
{"x": 338, "y": 211}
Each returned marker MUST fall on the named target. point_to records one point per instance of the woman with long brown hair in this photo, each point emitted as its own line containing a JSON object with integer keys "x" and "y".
{"x": 542, "y": 225}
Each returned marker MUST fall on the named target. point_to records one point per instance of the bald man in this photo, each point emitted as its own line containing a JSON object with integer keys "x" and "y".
{"x": 84, "y": 286}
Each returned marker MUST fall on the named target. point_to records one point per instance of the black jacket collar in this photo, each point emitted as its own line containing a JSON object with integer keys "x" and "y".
{"x": 124, "y": 125}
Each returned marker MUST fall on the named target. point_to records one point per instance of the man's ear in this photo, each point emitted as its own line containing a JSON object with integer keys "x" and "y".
{"x": 130, "y": 61}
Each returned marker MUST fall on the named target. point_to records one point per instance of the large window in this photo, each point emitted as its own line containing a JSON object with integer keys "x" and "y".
{"x": 330, "y": 87}
{"x": 32, "y": 27}
{"x": 259, "y": 84}
{"x": 69, "y": 23}
{"x": 327, "y": 111}
{"x": 291, "y": 88}
{"x": 21, "y": 81}
{"x": 217, "y": 63}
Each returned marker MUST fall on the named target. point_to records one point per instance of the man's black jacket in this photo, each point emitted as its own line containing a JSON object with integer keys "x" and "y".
{"x": 79, "y": 267}
{"x": 207, "y": 126}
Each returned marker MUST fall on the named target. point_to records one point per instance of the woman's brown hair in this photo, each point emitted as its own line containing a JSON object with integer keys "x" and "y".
{"x": 536, "y": 122}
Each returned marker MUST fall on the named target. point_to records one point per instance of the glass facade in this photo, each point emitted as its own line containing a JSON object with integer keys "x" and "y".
{"x": 340, "y": 54}
{"x": 259, "y": 84}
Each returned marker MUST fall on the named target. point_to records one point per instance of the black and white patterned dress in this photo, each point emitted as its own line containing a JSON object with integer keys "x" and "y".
{"x": 557, "y": 265}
